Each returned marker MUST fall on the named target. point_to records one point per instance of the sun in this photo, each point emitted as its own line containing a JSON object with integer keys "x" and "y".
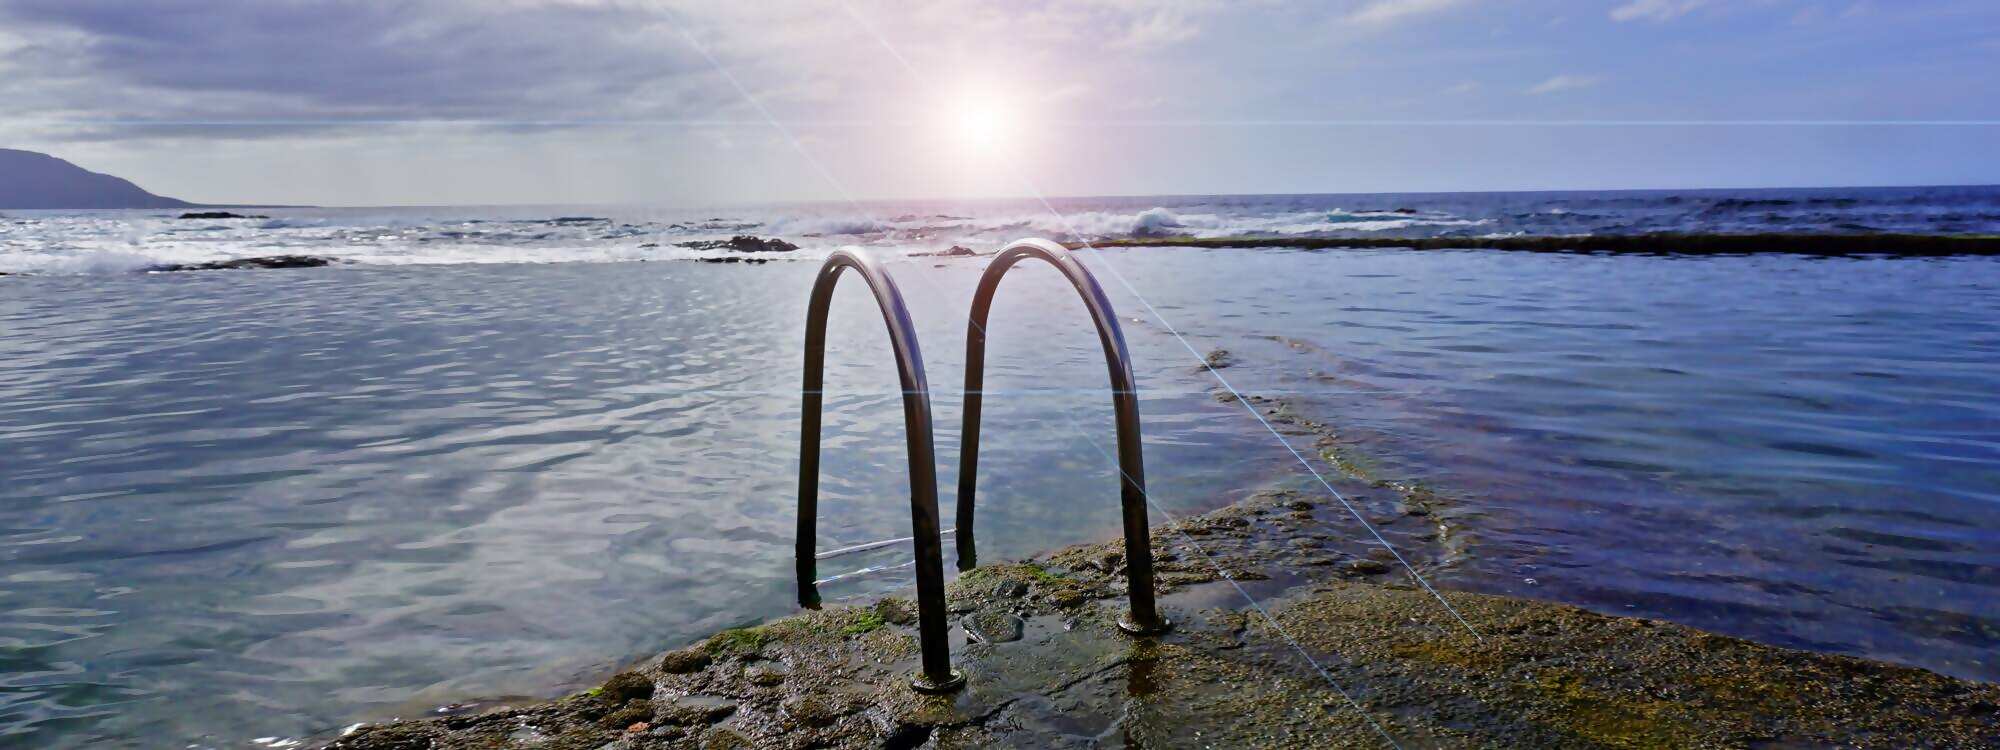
{"x": 982, "y": 124}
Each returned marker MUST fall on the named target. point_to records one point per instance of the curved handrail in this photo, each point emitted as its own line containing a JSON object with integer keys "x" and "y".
{"x": 1144, "y": 617}
{"x": 937, "y": 674}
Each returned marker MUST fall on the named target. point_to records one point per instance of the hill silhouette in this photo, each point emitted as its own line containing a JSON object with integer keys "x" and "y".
{"x": 31, "y": 180}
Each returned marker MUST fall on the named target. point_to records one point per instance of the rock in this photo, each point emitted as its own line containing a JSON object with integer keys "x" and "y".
{"x": 690, "y": 659}
{"x": 699, "y": 710}
{"x": 992, "y": 626}
{"x": 767, "y": 674}
{"x": 1010, "y": 589}
{"x": 896, "y": 610}
{"x": 743, "y": 243}
{"x": 1218, "y": 359}
{"x": 634, "y": 712}
{"x": 724, "y": 738}
{"x": 627, "y": 686}
{"x": 1364, "y": 567}
{"x": 955, "y": 251}
{"x": 270, "y": 261}
{"x": 218, "y": 215}
{"x": 1404, "y": 211}
{"x": 734, "y": 260}
{"x": 816, "y": 709}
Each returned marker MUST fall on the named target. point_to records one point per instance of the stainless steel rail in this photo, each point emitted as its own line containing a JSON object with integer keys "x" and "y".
{"x": 1144, "y": 617}
{"x": 936, "y": 675}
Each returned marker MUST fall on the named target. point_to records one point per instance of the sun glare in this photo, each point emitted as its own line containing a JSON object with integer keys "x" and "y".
{"x": 982, "y": 125}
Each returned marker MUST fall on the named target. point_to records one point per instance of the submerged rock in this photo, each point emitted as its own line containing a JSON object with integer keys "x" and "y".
{"x": 219, "y": 215}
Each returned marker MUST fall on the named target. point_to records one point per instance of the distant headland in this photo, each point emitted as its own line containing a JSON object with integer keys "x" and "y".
{"x": 31, "y": 180}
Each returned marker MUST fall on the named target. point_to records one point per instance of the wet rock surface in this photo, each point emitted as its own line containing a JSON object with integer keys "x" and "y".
{"x": 992, "y": 626}
{"x": 1337, "y": 663}
{"x": 219, "y": 215}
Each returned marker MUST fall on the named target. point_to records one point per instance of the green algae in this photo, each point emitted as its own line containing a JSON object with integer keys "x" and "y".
{"x": 864, "y": 621}
{"x": 739, "y": 641}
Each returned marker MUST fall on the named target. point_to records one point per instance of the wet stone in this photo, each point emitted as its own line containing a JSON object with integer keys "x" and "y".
{"x": 1010, "y": 589}
{"x": 527, "y": 737}
{"x": 626, "y": 686}
{"x": 1364, "y": 568}
{"x": 696, "y": 709}
{"x": 813, "y": 710}
{"x": 724, "y": 738}
{"x": 896, "y": 611}
{"x": 635, "y": 712}
{"x": 992, "y": 626}
{"x": 769, "y": 674}
{"x": 693, "y": 659}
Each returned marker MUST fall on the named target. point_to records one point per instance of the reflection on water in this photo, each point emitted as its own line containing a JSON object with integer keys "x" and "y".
{"x": 266, "y": 503}
{"x": 263, "y": 504}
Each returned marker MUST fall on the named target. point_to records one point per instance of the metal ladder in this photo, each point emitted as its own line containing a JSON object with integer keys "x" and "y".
{"x": 937, "y": 674}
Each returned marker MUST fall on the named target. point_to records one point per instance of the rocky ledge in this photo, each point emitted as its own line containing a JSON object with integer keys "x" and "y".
{"x": 269, "y": 261}
{"x": 1663, "y": 243}
{"x": 1348, "y": 655}
{"x": 742, "y": 243}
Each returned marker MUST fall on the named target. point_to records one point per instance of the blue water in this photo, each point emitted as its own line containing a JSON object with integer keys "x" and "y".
{"x": 266, "y": 504}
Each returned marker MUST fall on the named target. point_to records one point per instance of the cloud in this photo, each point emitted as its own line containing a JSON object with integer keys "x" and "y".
{"x": 1565, "y": 82}
{"x": 1381, "y": 12}
{"x": 1158, "y": 30}
{"x": 1655, "y": 10}
{"x": 161, "y": 67}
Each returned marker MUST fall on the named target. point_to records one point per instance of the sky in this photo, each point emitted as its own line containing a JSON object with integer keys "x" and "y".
{"x": 682, "y": 103}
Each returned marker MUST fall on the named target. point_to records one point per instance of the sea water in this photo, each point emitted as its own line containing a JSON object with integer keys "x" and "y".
{"x": 499, "y": 452}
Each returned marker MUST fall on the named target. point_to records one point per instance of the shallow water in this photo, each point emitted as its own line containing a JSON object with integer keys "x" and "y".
{"x": 1801, "y": 451}
{"x": 241, "y": 505}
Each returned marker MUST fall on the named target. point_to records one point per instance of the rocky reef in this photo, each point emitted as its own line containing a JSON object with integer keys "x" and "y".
{"x": 1343, "y": 651}
{"x": 269, "y": 261}
{"x": 1664, "y": 243}
{"x": 742, "y": 243}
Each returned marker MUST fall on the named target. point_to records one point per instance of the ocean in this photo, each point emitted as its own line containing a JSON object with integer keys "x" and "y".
{"x": 500, "y": 451}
